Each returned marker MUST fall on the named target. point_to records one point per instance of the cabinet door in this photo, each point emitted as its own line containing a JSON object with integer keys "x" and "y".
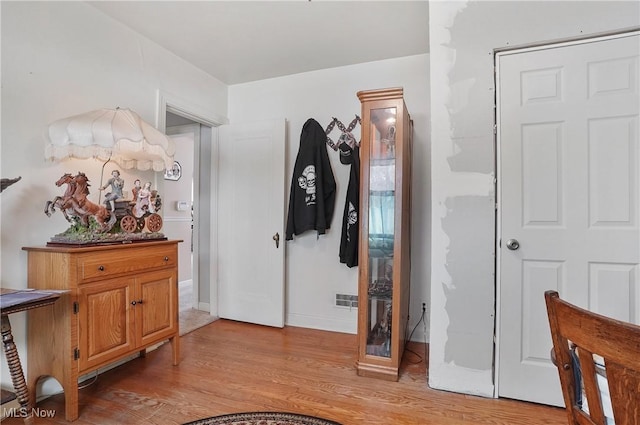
{"x": 105, "y": 317}
{"x": 380, "y": 249}
{"x": 156, "y": 306}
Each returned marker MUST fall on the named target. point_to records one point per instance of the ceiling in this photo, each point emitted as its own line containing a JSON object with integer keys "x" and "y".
{"x": 242, "y": 41}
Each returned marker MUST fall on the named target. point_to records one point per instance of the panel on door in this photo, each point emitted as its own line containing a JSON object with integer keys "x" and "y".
{"x": 156, "y": 305}
{"x": 568, "y": 176}
{"x": 104, "y": 320}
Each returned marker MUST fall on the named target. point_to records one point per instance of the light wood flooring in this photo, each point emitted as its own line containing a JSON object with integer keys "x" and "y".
{"x": 232, "y": 367}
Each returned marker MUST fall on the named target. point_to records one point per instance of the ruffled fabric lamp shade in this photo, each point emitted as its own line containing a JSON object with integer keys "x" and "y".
{"x": 119, "y": 135}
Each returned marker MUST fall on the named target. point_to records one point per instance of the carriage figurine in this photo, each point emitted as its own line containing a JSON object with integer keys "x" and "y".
{"x": 134, "y": 220}
{"x": 133, "y": 216}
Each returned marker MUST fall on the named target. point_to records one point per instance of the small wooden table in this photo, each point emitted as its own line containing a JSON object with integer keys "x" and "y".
{"x": 14, "y": 301}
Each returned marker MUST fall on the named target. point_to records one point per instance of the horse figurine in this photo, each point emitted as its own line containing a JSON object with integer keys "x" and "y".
{"x": 87, "y": 209}
{"x": 76, "y": 207}
{"x": 64, "y": 202}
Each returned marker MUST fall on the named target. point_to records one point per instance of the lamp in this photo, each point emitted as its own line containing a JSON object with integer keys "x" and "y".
{"x": 119, "y": 135}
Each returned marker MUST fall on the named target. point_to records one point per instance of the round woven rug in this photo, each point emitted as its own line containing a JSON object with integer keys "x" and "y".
{"x": 263, "y": 418}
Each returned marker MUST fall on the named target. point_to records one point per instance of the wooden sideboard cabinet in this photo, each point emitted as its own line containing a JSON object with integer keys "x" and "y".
{"x": 122, "y": 299}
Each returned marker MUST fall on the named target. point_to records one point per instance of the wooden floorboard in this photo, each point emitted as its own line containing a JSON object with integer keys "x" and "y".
{"x": 230, "y": 367}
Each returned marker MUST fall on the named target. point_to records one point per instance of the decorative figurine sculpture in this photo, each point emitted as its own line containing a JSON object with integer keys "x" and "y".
{"x": 116, "y": 184}
{"x": 124, "y": 220}
{"x": 75, "y": 205}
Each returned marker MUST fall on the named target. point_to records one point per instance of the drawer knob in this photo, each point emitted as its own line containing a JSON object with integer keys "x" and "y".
{"x": 101, "y": 268}
{"x": 133, "y": 303}
{"x": 166, "y": 258}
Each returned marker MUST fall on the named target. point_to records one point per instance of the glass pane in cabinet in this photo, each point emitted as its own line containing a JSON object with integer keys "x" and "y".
{"x": 381, "y": 230}
{"x": 382, "y": 182}
{"x": 383, "y": 133}
{"x": 380, "y": 300}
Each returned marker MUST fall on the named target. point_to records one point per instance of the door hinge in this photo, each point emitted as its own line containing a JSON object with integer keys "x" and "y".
{"x": 76, "y": 354}
{"x": 76, "y": 307}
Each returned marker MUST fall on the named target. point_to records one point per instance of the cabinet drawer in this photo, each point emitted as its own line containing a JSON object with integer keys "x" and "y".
{"x": 109, "y": 264}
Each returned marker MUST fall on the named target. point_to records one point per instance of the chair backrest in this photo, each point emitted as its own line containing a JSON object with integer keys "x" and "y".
{"x": 589, "y": 334}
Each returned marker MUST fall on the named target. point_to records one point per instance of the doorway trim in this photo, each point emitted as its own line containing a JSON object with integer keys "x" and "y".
{"x": 498, "y": 53}
{"x": 167, "y": 102}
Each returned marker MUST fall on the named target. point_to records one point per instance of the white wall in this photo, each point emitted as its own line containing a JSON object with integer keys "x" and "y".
{"x": 463, "y": 36}
{"x": 313, "y": 271}
{"x": 61, "y": 59}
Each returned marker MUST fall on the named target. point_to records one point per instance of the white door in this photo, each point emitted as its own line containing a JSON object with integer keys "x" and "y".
{"x": 251, "y": 199}
{"x": 568, "y": 188}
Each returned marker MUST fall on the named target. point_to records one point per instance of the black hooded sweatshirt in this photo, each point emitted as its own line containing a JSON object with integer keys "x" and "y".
{"x": 350, "y": 219}
{"x": 313, "y": 187}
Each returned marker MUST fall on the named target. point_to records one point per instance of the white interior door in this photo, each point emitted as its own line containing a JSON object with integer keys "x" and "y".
{"x": 568, "y": 185}
{"x": 251, "y": 213}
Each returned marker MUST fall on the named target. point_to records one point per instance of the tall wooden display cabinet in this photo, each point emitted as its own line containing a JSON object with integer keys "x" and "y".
{"x": 384, "y": 250}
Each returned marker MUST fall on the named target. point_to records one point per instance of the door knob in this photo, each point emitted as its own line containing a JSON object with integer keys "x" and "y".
{"x": 276, "y": 238}
{"x": 513, "y": 244}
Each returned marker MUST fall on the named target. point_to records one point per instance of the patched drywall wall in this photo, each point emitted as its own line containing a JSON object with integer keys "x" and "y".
{"x": 468, "y": 215}
{"x": 463, "y": 39}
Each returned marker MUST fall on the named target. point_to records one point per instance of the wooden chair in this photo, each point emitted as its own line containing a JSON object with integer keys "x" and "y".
{"x": 589, "y": 334}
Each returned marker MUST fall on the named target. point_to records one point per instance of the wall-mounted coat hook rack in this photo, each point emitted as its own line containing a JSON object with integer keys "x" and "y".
{"x": 346, "y": 136}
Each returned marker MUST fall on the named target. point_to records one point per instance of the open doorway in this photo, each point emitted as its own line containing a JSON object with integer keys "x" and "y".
{"x": 184, "y": 187}
{"x": 205, "y": 197}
